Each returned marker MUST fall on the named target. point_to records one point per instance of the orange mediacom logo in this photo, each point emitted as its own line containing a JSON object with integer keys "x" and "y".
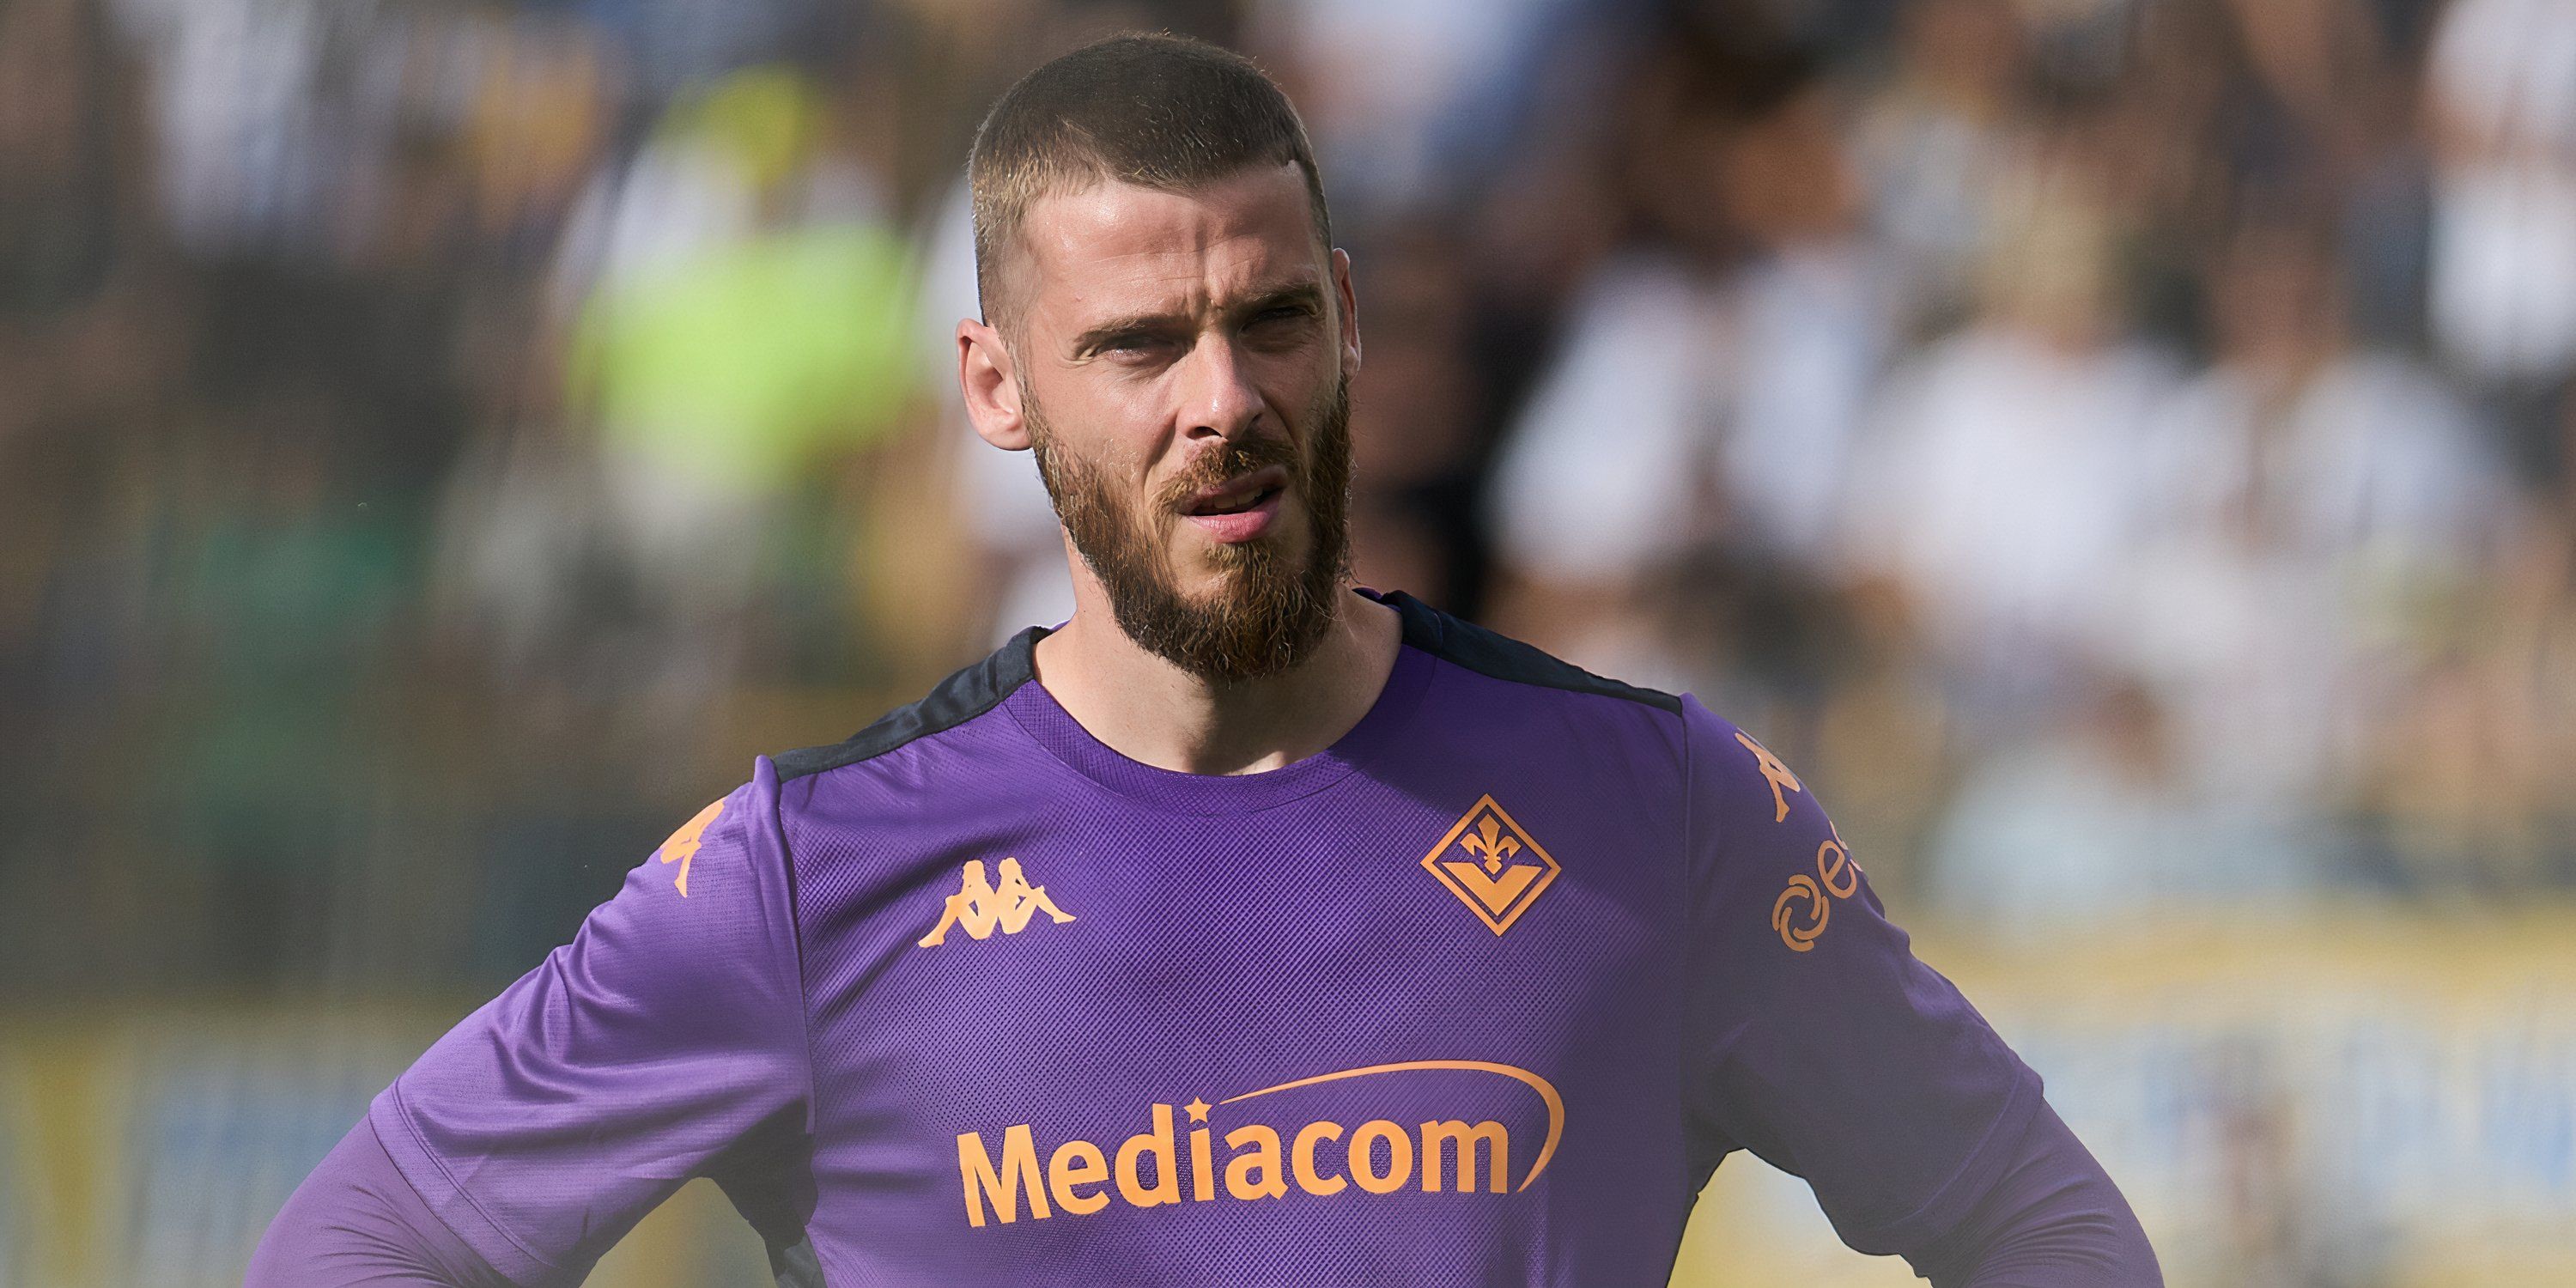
{"x": 1320, "y": 1158}
{"x": 683, "y": 844}
{"x": 979, "y": 907}
{"x": 1492, "y": 864}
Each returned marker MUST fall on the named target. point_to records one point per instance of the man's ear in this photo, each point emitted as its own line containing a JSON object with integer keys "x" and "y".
{"x": 1349, "y": 304}
{"x": 992, "y": 394}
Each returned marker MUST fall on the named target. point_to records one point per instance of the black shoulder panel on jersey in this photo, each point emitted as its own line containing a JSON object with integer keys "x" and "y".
{"x": 964, "y": 695}
{"x": 1504, "y": 658}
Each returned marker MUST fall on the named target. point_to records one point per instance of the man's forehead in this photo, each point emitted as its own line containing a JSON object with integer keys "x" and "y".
{"x": 1242, "y": 234}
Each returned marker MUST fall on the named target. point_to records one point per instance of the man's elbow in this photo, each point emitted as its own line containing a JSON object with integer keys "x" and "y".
{"x": 2055, "y": 1220}
{"x": 356, "y": 1223}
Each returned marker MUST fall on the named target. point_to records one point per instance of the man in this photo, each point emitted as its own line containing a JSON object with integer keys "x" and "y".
{"x": 1381, "y": 950}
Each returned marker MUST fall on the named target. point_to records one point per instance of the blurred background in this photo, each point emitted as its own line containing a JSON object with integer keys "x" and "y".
{"x": 2121, "y": 452}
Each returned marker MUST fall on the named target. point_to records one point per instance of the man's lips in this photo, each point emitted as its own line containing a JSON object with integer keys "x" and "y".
{"x": 1237, "y": 493}
{"x": 1242, "y": 508}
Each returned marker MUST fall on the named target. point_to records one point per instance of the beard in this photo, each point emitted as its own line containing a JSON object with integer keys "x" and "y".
{"x": 1270, "y": 609}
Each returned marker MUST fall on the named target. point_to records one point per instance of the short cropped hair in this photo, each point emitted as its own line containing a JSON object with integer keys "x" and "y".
{"x": 1158, "y": 111}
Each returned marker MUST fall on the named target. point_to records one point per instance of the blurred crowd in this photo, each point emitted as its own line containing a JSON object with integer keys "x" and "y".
{"x": 2122, "y": 452}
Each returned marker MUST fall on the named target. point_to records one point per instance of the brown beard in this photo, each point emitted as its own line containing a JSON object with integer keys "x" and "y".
{"x": 1270, "y": 612}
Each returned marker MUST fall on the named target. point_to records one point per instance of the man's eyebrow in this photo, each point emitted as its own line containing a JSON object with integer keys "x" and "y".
{"x": 1303, "y": 291}
{"x": 1134, "y": 323}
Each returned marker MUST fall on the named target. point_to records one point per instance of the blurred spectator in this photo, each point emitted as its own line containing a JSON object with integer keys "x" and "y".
{"x": 1711, "y": 373}
{"x": 2502, "y": 85}
{"x": 2081, "y": 825}
{"x": 2000, "y": 487}
{"x": 1935, "y": 141}
{"x": 2310, "y": 501}
{"x": 1384, "y": 83}
{"x": 751, "y": 319}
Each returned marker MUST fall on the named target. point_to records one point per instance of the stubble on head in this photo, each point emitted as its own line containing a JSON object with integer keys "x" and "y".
{"x": 1271, "y": 608}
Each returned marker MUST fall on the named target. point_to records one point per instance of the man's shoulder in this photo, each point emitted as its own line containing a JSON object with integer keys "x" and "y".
{"x": 975, "y": 689}
{"x": 968, "y": 692}
{"x": 1497, "y": 656}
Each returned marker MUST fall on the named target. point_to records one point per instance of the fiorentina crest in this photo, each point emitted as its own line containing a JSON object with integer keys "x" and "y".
{"x": 1492, "y": 864}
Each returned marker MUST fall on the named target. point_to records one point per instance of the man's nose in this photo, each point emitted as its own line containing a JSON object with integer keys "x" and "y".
{"x": 1218, "y": 397}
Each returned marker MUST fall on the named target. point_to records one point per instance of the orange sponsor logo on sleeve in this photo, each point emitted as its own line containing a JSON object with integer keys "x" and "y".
{"x": 1801, "y": 911}
{"x": 684, "y": 843}
{"x": 1806, "y": 903}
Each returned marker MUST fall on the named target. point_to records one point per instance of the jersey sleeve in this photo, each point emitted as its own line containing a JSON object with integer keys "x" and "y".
{"x": 356, "y": 1223}
{"x": 666, "y": 1041}
{"x": 1818, "y": 1041}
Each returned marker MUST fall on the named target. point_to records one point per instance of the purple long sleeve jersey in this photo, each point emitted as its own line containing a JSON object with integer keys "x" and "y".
{"x": 1479, "y": 995}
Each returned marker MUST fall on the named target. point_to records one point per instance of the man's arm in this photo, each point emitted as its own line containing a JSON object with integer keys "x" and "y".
{"x": 2055, "y": 1220}
{"x": 356, "y": 1223}
{"x": 1821, "y": 1044}
{"x": 666, "y": 1041}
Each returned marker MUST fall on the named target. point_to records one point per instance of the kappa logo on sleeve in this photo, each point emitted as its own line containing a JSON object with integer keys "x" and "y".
{"x": 979, "y": 908}
{"x": 1773, "y": 772}
{"x": 683, "y": 844}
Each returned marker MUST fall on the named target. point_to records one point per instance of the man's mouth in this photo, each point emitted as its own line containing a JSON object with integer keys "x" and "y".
{"x": 1236, "y": 495}
{"x": 1241, "y": 508}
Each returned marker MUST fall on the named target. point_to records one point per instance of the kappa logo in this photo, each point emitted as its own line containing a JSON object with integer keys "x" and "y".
{"x": 1774, "y": 773}
{"x": 683, "y": 845}
{"x": 979, "y": 908}
{"x": 1492, "y": 864}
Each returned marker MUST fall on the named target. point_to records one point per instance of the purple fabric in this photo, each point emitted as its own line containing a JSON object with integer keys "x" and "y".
{"x": 2055, "y": 1221}
{"x": 1001, "y": 1005}
{"x": 356, "y": 1223}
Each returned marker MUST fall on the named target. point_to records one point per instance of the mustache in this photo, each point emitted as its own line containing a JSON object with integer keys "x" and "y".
{"x": 1229, "y": 459}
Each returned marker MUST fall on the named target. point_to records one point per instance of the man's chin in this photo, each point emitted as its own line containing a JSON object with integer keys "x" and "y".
{"x": 1217, "y": 586}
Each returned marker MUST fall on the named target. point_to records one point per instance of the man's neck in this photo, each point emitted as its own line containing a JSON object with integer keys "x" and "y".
{"x": 1153, "y": 712}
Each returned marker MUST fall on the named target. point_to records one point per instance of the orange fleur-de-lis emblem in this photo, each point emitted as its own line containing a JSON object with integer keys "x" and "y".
{"x": 1492, "y": 842}
{"x": 1508, "y": 871}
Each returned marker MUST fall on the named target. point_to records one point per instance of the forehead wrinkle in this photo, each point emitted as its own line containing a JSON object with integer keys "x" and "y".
{"x": 1112, "y": 238}
{"x": 1186, "y": 285}
{"x": 1198, "y": 287}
